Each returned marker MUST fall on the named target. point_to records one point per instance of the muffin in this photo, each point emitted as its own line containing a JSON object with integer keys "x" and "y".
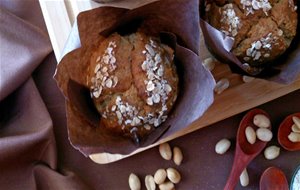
{"x": 133, "y": 83}
{"x": 262, "y": 29}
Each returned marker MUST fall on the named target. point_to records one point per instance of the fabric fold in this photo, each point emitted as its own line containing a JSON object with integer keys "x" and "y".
{"x": 26, "y": 128}
{"x": 23, "y": 47}
{"x": 26, "y": 136}
{"x": 46, "y": 178}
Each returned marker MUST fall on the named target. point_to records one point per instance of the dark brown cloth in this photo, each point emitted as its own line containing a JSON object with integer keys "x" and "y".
{"x": 27, "y": 145}
{"x": 34, "y": 149}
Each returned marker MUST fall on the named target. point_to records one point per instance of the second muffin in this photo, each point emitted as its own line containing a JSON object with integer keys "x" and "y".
{"x": 262, "y": 29}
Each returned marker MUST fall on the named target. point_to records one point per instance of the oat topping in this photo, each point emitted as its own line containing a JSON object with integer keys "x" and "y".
{"x": 157, "y": 88}
{"x": 261, "y": 47}
{"x": 130, "y": 115}
{"x": 103, "y": 75}
{"x": 252, "y": 5}
{"x": 230, "y": 18}
{"x": 292, "y": 5}
{"x": 124, "y": 110}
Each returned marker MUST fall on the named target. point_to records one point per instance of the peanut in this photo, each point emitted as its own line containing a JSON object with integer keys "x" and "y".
{"x": 261, "y": 120}
{"x": 294, "y": 137}
{"x": 209, "y": 64}
{"x": 247, "y": 79}
{"x": 272, "y": 152}
{"x": 222, "y": 85}
{"x": 134, "y": 182}
{"x": 167, "y": 186}
{"x": 296, "y": 121}
{"x": 244, "y": 178}
{"x": 295, "y": 129}
{"x": 165, "y": 151}
{"x": 160, "y": 176}
{"x": 149, "y": 182}
{"x": 250, "y": 135}
{"x": 177, "y": 156}
{"x": 173, "y": 175}
{"x": 264, "y": 134}
{"x": 222, "y": 146}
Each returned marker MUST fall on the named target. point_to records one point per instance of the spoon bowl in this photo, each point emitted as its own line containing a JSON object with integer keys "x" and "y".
{"x": 284, "y": 130}
{"x": 246, "y": 147}
{"x": 244, "y": 151}
{"x": 273, "y": 179}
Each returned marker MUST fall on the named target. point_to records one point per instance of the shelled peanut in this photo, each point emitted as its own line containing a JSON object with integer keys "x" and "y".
{"x": 222, "y": 146}
{"x": 134, "y": 182}
{"x": 166, "y": 153}
{"x": 262, "y": 133}
{"x": 294, "y": 136}
{"x": 244, "y": 178}
{"x": 164, "y": 179}
{"x": 272, "y": 152}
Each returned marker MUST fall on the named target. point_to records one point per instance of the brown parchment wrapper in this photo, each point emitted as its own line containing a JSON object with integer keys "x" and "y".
{"x": 285, "y": 69}
{"x": 176, "y": 22}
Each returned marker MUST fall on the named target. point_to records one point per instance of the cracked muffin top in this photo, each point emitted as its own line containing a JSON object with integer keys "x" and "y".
{"x": 262, "y": 29}
{"x": 133, "y": 83}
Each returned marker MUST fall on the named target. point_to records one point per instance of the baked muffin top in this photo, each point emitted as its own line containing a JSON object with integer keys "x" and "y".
{"x": 133, "y": 82}
{"x": 262, "y": 29}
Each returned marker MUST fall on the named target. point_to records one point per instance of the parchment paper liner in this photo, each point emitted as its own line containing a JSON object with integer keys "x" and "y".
{"x": 285, "y": 69}
{"x": 196, "y": 83}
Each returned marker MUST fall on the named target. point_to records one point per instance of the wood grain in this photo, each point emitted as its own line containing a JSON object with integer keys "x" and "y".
{"x": 58, "y": 24}
{"x": 59, "y": 17}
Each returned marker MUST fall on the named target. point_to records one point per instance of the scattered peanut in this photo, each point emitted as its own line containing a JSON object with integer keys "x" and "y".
{"x": 261, "y": 120}
{"x": 207, "y": 8}
{"x": 222, "y": 146}
{"x": 167, "y": 186}
{"x": 295, "y": 129}
{"x": 173, "y": 175}
{"x": 149, "y": 182}
{"x": 160, "y": 176}
{"x": 209, "y": 63}
{"x": 296, "y": 121}
{"x": 177, "y": 156}
{"x": 165, "y": 151}
{"x": 250, "y": 135}
{"x": 247, "y": 79}
{"x": 221, "y": 85}
{"x": 134, "y": 182}
{"x": 294, "y": 137}
{"x": 244, "y": 178}
{"x": 272, "y": 152}
{"x": 264, "y": 134}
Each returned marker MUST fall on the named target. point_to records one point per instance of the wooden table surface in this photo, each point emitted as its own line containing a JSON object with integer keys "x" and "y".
{"x": 60, "y": 15}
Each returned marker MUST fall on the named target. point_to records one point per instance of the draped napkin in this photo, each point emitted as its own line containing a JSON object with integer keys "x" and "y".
{"x": 27, "y": 144}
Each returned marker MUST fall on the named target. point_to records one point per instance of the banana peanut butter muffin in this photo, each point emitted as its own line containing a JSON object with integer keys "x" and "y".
{"x": 262, "y": 29}
{"x": 133, "y": 83}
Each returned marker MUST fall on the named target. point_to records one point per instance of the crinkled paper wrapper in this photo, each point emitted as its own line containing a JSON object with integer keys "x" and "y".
{"x": 176, "y": 22}
{"x": 284, "y": 70}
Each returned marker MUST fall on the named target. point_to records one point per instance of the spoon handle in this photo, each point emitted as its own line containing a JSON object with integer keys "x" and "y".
{"x": 239, "y": 164}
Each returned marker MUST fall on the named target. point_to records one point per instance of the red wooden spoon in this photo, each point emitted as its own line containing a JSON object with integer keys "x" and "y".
{"x": 244, "y": 151}
{"x": 273, "y": 179}
{"x": 285, "y": 129}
